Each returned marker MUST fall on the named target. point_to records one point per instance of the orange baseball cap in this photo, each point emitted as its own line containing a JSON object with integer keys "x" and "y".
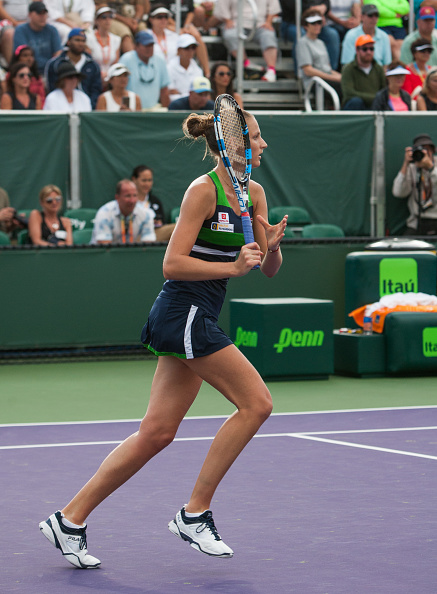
{"x": 364, "y": 40}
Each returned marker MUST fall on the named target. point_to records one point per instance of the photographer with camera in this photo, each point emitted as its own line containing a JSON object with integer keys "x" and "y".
{"x": 417, "y": 181}
{"x": 9, "y": 219}
{"x": 46, "y": 227}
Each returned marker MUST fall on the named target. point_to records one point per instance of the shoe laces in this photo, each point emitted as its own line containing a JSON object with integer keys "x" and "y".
{"x": 208, "y": 524}
{"x": 82, "y": 542}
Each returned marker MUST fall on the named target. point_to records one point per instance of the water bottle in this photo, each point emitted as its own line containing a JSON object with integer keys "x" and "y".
{"x": 368, "y": 325}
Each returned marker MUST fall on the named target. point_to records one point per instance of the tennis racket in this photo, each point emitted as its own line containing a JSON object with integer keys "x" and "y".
{"x": 233, "y": 142}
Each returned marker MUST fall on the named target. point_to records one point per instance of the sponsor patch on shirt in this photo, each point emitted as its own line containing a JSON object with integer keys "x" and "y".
{"x": 223, "y": 217}
{"x": 227, "y": 227}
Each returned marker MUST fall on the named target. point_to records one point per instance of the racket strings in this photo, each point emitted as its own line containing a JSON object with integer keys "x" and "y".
{"x": 233, "y": 139}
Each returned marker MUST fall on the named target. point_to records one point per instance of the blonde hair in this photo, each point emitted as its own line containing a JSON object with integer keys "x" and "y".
{"x": 47, "y": 190}
{"x": 430, "y": 74}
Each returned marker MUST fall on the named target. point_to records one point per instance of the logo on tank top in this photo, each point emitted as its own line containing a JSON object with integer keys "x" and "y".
{"x": 223, "y": 223}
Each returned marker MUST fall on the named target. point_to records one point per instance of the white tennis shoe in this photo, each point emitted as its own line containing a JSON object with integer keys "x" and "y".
{"x": 201, "y": 533}
{"x": 70, "y": 541}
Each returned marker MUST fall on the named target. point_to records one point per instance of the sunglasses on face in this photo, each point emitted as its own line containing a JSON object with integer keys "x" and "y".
{"x": 54, "y": 199}
{"x": 223, "y": 73}
{"x": 427, "y": 50}
{"x": 160, "y": 16}
{"x": 367, "y": 49}
{"x": 24, "y": 75}
{"x": 106, "y": 16}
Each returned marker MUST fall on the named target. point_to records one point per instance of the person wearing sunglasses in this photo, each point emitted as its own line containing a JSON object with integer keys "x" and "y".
{"x": 46, "y": 227}
{"x": 221, "y": 82}
{"x": 183, "y": 68}
{"x": 18, "y": 95}
{"x": 103, "y": 45}
{"x": 419, "y": 67}
{"x": 26, "y": 55}
{"x": 362, "y": 78}
{"x": 426, "y": 22}
{"x": 393, "y": 97}
{"x": 369, "y": 18}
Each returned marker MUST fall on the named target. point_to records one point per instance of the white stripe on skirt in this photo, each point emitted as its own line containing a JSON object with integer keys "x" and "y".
{"x": 187, "y": 333}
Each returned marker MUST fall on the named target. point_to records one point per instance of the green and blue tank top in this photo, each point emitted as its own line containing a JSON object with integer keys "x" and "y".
{"x": 219, "y": 240}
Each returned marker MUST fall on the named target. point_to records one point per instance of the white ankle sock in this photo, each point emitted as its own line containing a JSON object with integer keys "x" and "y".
{"x": 70, "y": 524}
{"x": 189, "y": 515}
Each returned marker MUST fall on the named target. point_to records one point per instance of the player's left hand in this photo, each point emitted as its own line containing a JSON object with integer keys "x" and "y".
{"x": 274, "y": 233}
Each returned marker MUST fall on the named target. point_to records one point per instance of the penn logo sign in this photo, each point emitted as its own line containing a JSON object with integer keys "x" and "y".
{"x": 307, "y": 338}
{"x": 246, "y": 338}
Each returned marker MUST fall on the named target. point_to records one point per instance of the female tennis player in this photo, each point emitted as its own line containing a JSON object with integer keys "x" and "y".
{"x": 182, "y": 330}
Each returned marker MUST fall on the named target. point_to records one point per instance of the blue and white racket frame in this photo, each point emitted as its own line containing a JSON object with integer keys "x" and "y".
{"x": 240, "y": 191}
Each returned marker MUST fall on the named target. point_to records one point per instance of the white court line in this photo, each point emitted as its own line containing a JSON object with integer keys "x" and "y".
{"x": 364, "y": 447}
{"x": 284, "y": 414}
{"x": 387, "y": 430}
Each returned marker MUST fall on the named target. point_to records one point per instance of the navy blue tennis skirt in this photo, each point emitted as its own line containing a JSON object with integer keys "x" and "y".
{"x": 182, "y": 330}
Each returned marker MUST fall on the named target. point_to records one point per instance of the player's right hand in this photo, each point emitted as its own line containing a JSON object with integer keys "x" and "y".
{"x": 250, "y": 256}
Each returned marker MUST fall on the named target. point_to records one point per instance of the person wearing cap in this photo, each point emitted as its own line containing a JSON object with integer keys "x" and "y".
{"x": 103, "y": 45}
{"x": 369, "y": 18}
{"x": 426, "y": 23}
{"x": 123, "y": 220}
{"x": 419, "y": 67}
{"x": 12, "y": 14}
{"x": 311, "y": 53}
{"x": 393, "y": 97}
{"x": 265, "y": 33}
{"x": 427, "y": 98}
{"x": 166, "y": 40}
{"x": 67, "y": 97}
{"x": 90, "y": 80}
{"x": 118, "y": 98}
{"x": 390, "y": 21}
{"x": 362, "y": 78}
{"x": 199, "y": 98}
{"x": 148, "y": 73}
{"x": 416, "y": 182}
{"x": 80, "y": 13}
{"x": 183, "y": 69}
{"x": 39, "y": 35}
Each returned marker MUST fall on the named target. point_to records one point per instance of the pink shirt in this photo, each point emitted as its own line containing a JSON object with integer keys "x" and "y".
{"x": 398, "y": 104}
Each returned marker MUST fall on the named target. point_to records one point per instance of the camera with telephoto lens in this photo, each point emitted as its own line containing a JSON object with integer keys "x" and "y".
{"x": 418, "y": 153}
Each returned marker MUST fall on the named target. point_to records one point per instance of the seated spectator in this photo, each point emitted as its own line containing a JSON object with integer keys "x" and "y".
{"x": 41, "y": 37}
{"x": 199, "y": 98}
{"x": 148, "y": 73}
{"x": 163, "y": 27}
{"x": 369, "y": 18}
{"x": 393, "y": 97}
{"x": 89, "y": 69}
{"x": 390, "y": 21}
{"x": 221, "y": 82}
{"x": 419, "y": 67}
{"x": 363, "y": 77}
{"x": 422, "y": 196}
{"x": 117, "y": 98}
{"x": 142, "y": 176}
{"x": 183, "y": 69}
{"x": 311, "y": 53}
{"x": 426, "y": 30}
{"x": 123, "y": 220}
{"x": 12, "y": 14}
{"x": 265, "y": 34}
{"x": 18, "y": 95}
{"x": 67, "y": 98}
{"x": 25, "y": 54}
{"x": 70, "y": 15}
{"x": 204, "y": 18}
{"x": 8, "y": 222}
{"x": 344, "y": 15}
{"x": 328, "y": 35}
{"x": 427, "y": 98}
{"x": 46, "y": 227}
{"x": 127, "y": 21}
{"x": 104, "y": 46}
{"x": 186, "y": 13}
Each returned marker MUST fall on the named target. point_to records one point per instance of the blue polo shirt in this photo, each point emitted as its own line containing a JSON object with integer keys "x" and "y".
{"x": 382, "y": 46}
{"x": 146, "y": 80}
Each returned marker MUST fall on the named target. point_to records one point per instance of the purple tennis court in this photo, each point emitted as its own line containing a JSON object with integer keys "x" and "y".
{"x": 339, "y": 502}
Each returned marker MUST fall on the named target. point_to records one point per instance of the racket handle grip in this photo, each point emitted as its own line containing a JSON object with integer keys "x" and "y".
{"x": 248, "y": 231}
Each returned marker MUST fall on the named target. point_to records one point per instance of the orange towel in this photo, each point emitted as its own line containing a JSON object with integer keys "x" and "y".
{"x": 379, "y": 315}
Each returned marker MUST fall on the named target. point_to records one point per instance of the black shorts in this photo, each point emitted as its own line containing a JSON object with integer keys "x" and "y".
{"x": 182, "y": 330}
